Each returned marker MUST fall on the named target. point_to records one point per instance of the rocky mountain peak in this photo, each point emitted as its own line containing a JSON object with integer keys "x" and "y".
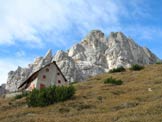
{"x": 60, "y": 55}
{"x": 95, "y": 35}
{"x": 95, "y": 54}
{"x": 37, "y": 60}
{"x": 77, "y": 52}
{"x": 117, "y": 34}
{"x": 47, "y": 58}
{"x": 116, "y": 38}
{"x": 19, "y": 68}
{"x": 48, "y": 55}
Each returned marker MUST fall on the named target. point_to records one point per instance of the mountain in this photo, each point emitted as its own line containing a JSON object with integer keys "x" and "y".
{"x": 95, "y": 54}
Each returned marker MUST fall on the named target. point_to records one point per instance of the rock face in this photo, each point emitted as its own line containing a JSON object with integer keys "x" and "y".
{"x": 2, "y": 89}
{"x": 95, "y": 54}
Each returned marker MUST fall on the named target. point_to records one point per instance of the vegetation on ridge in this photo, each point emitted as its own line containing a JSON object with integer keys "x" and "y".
{"x": 24, "y": 94}
{"x": 136, "y": 67}
{"x": 50, "y": 95}
{"x": 159, "y": 62}
{"x": 118, "y": 69}
{"x": 113, "y": 81}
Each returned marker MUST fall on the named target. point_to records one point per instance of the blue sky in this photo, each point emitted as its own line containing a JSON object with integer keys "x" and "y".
{"x": 28, "y": 28}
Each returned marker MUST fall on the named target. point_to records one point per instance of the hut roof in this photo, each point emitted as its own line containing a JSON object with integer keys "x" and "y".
{"x": 25, "y": 84}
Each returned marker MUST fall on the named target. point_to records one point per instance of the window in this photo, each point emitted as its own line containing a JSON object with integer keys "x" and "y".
{"x": 44, "y": 76}
{"x": 47, "y": 70}
{"x": 59, "y": 81}
{"x": 42, "y": 86}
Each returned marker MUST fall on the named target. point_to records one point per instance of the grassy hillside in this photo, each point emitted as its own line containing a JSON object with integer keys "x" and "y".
{"x": 95, "y": 101}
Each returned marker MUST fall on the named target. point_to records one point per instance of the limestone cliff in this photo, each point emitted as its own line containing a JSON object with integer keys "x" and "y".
{"x": 2, "y": 89}
{"x": 95, "y": 54}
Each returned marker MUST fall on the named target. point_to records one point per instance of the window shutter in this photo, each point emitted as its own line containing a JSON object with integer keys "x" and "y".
{"x": 42, "y": 86}
{"x": 47, "y": 70}
{"x": 44, "y": 76}
{"x": 59, "y": 81}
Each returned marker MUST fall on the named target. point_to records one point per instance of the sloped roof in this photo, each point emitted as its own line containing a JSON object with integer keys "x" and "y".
{"x": 35, "y": 74}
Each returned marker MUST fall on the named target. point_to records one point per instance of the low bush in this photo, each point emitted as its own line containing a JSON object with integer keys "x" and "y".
{"x": 136, "y": 67}
{"x": 119, "y": 69}
{"x": 19, "y": 96}
{"x": 50, "y": 95}
{"x": 159, "y": 62}
{"x": 113, "y": 81}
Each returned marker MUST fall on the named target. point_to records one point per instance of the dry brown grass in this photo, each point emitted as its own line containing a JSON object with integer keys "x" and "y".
{"x": 95, "y": 101}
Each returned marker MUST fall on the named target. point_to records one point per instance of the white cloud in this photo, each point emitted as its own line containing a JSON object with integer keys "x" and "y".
{"x": 148, "y": 33}
{"x": 24, "y": 20}
{"x": 20, "y": 53}
{"x": 40, "y": 21}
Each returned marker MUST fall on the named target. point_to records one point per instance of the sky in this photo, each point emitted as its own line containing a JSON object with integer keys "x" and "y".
{"x": 28, "y": 28}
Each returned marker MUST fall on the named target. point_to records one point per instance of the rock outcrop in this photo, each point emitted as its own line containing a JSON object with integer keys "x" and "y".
{"x": 95, "y": 54}
{"x": 2, "y": 89}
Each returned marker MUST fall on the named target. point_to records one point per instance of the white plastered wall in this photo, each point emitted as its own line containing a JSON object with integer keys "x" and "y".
{"x": 59, "y": 77}
{"x": 33, "y": 85}
{"x": 52, "y": 77}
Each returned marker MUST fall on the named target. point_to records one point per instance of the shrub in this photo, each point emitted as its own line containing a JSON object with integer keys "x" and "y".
{"x": 119, "y": 69}
{"x": 19, "y": 96}
{"x": 113, "y": 81}
{"x": 50, "y": 95}
{"x": 136, "y": 67}
{"x": 159, "y": 62}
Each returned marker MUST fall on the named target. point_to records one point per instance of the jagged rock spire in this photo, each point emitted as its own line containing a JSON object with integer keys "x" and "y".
{"x": 48, "y": 55}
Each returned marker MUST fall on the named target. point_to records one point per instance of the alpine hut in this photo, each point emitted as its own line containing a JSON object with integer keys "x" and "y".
{"x": 44, "y": 77}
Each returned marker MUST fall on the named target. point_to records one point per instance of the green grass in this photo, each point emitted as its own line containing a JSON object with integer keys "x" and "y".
{"x": 24, "y": 94}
